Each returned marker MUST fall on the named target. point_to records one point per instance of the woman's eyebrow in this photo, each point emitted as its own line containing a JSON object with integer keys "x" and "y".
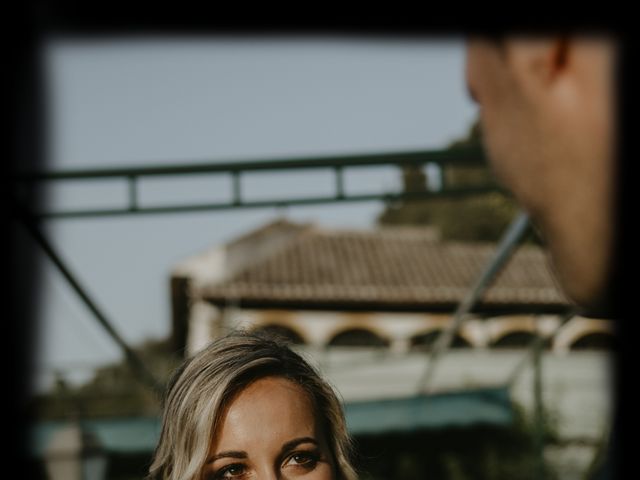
{"x": 229, "y": 454}
{"x": 291, "y": 444}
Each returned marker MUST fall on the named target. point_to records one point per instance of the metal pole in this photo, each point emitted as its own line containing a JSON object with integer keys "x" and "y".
{"x": 133, "y": 193}
{"x": 539, "y": 339}
{"x": 464, "y": 156}
{"x": 238, "y": 202}
{"x": 237, "y": 188}
{"x": 131, "y": 357}
{"x": 507, "y": 245}
{"x": 538, "y": 418}
{"x": 339, "y": 183}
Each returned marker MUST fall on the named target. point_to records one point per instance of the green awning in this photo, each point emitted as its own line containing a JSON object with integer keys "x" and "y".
{"x": 117, "y": 435}
{"x": 491, "y": 406}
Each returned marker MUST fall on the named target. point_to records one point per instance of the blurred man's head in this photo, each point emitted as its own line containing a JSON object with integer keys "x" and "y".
{"x": 547, "y": 113}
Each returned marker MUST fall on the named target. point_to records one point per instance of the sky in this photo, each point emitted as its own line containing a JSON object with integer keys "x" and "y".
{"x": 162, "y": 101}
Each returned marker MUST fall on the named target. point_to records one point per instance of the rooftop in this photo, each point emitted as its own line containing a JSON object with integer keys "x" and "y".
{"x": 387, "y": 268}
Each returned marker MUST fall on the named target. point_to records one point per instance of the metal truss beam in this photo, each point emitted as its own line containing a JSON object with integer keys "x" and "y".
{"x": 235, "y": 170}
{"x": 140, "y": 371}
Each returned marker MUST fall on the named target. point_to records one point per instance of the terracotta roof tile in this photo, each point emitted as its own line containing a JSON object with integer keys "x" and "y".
{"x": 387, "y": 267}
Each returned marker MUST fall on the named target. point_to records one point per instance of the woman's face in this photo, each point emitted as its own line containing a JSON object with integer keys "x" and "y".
{"x": 269, "y": 431}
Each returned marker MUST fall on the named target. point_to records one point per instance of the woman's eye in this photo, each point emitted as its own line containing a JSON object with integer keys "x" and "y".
{"x": 231, "y": 471}
{"x": 303, "y": 459}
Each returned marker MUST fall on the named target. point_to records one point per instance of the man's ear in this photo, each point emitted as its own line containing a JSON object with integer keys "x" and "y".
{"x": 537, "y": 63}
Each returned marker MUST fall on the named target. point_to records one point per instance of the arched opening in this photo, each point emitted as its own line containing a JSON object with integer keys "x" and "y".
{"x": 358, "y": 337}
{"x": 594, "y": 341}
{"x": 426, "y": 341}
{"x": 518, "y": 339}
{"x": 281, "y": 333}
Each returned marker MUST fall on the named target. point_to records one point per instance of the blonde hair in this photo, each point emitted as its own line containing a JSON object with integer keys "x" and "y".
{"x": 206, "y": 383}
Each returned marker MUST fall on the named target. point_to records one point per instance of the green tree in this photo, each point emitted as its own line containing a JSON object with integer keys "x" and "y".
{"x": 478, "y": 217}
{"x": 114, "y": 389}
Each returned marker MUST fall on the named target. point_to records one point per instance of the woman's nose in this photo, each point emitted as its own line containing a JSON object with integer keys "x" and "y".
{"x": 268, "y": 473}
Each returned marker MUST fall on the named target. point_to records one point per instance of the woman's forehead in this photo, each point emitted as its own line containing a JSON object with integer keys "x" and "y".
{"x": 271, "y": 410}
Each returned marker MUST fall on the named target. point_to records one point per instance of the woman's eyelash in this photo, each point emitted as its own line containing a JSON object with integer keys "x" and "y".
{"x": 235, "y": 469}
{"x": 304, "y": 458}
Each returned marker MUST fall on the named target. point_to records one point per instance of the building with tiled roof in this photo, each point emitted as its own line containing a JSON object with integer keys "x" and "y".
{"x": 394, "y": 290}
{"x": 392, "y": 287}
{"x": 404, "y": 269}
